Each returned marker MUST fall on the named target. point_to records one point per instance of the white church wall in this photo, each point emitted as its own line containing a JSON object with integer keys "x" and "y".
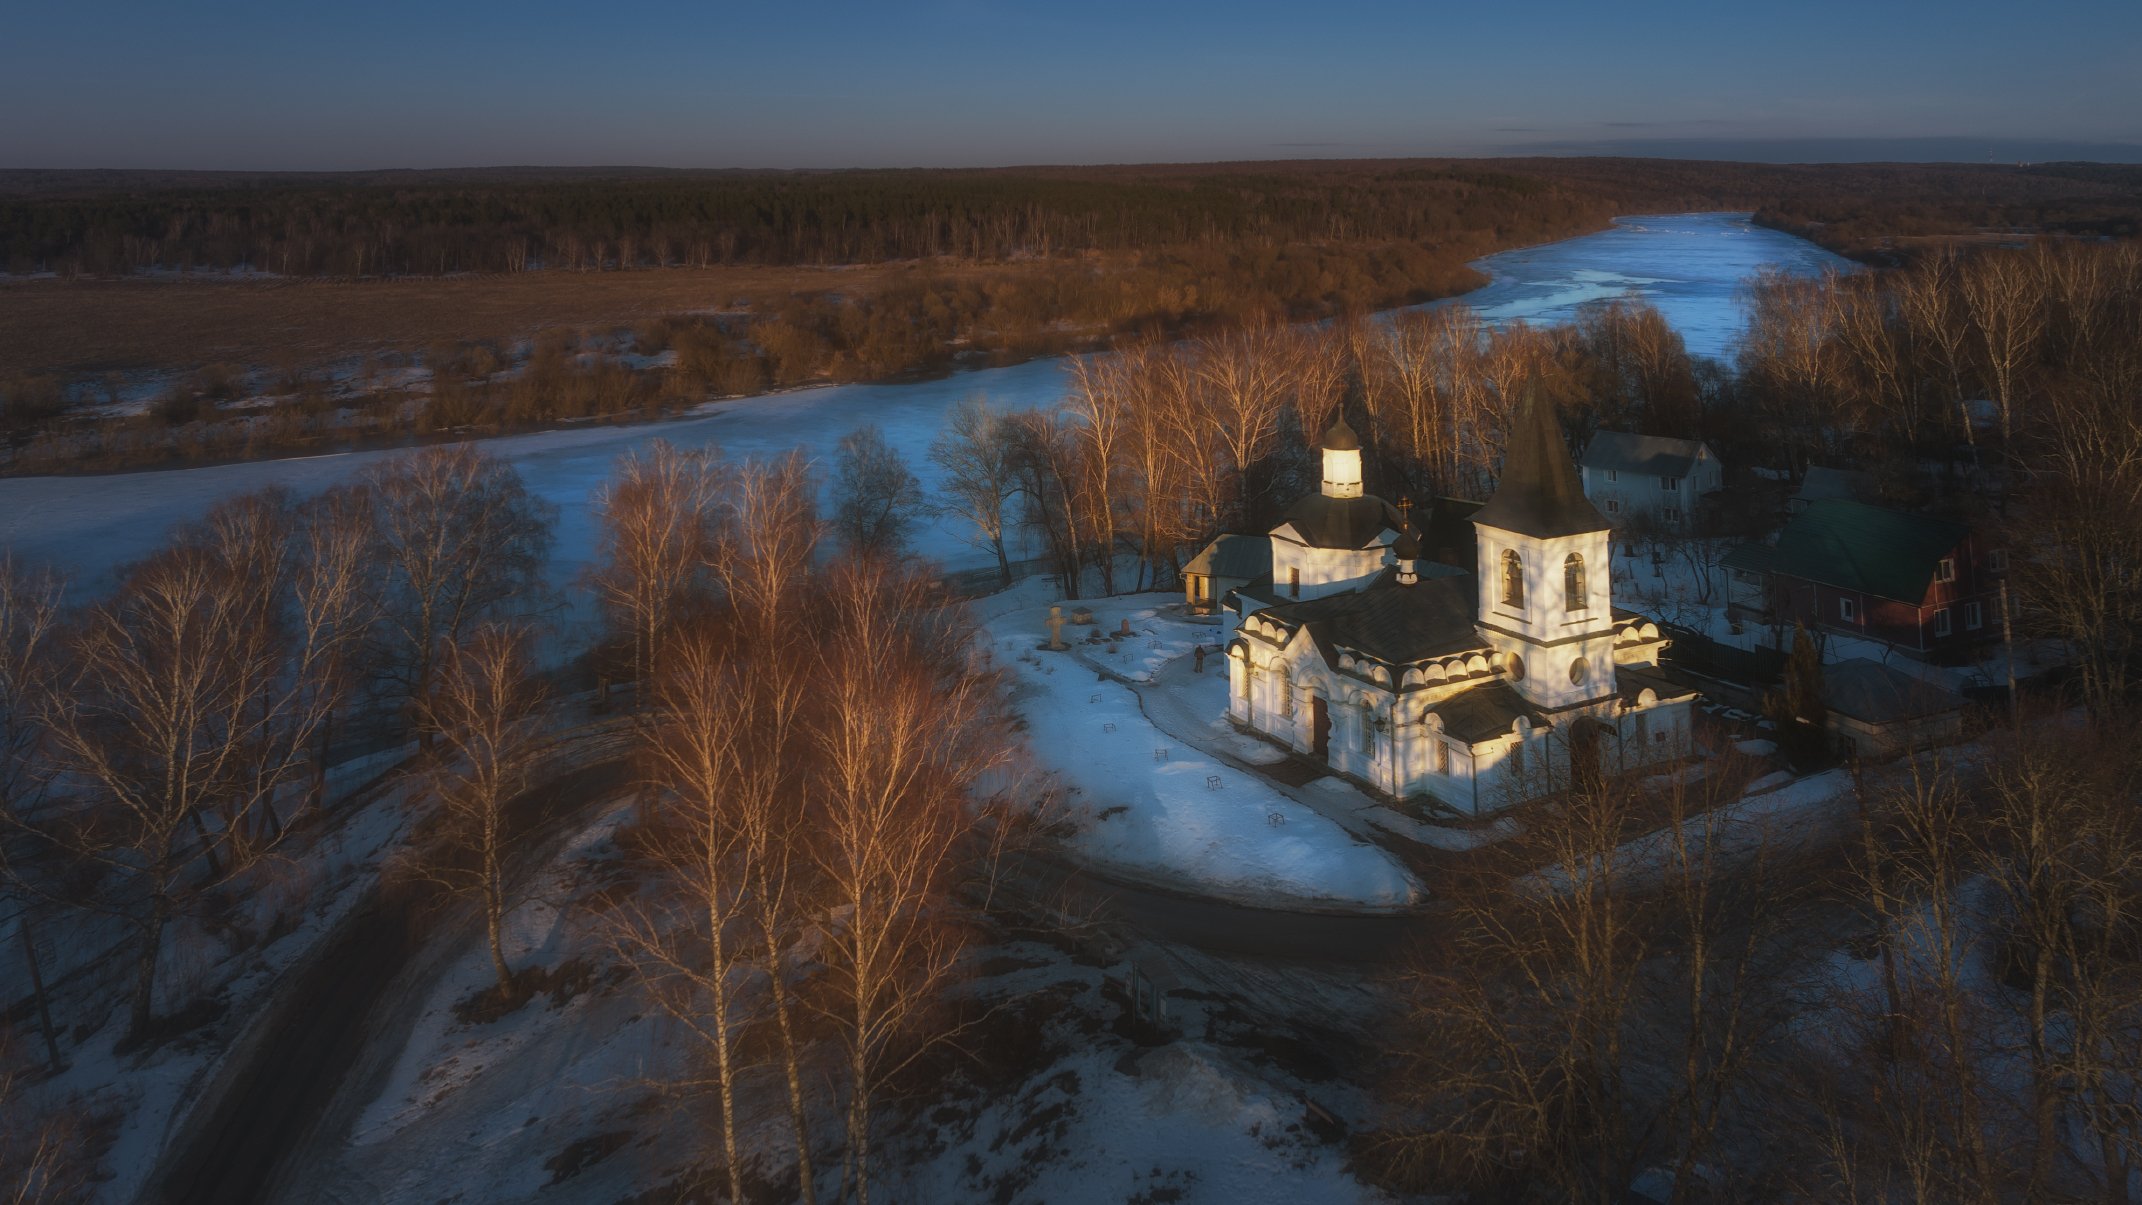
{"x": 1302, "y": 571}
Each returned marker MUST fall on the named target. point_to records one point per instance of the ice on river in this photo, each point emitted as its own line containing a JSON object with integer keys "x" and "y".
{"x": 1689, "y": 265}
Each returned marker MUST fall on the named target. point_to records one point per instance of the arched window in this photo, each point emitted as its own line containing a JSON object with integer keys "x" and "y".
{"x": 1513, "y": 580}
{"x": 1573, "y": 583}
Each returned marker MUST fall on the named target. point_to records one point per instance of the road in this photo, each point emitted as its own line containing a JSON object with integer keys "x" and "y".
{"x": 267, "y": 1105}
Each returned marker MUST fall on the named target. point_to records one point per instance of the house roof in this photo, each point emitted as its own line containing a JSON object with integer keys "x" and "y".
{"x": 1483, "y": 712}
{"x": 1234, "y": 555}
{"x": 1823, "y": 482}
{"x": 1393, "y": 623}
{"x": 1539, "y": 493}
{"x": 1631, "y": 453}
{"x": 1327, "y": 522}
{"x": 1757, "y": 558}
{"x": 1854, "y": 546}
{"x": 1873, "y": 693}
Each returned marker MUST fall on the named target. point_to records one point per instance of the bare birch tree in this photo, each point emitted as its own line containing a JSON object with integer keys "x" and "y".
{"x": 459, "y": 540}
{"x": 655, "y": 532}
{"x": 908, "y": 730}
{"x": 981, "y": 481}
{"x": 483, "y": 704}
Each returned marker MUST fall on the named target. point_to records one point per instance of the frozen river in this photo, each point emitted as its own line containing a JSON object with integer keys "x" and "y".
{"x": 1689, "y": 265}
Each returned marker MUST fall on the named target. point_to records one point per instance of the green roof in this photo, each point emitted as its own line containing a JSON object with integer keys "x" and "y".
{"x": 1854, "y": 546}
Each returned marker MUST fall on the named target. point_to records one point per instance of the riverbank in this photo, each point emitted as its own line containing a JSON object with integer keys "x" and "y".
{"x": 84, "y": 526}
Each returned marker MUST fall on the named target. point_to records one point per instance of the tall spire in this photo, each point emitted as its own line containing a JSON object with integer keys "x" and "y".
{"x": 1539, "y": 493}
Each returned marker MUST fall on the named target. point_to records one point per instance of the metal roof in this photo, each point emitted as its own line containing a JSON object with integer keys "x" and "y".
{"x": 1631, "y": 453}
{"x": 1873, "y": 693}
{"x": 1484, "y": 712}
{"x": 1234, "y": 555}
{"x": 1393, "y": 623}
{"x": 1539, "y": 493}
{"x": 1853, "y": 546}
{"x": 1327, "y": 522}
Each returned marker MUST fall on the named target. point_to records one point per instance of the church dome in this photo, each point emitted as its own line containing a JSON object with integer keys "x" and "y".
{"x": 1340, "y": 437}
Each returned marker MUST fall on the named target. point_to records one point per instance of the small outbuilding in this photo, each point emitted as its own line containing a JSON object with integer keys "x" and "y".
{"x": 1229, "y": 563}
{"x": 1876, "y": 711}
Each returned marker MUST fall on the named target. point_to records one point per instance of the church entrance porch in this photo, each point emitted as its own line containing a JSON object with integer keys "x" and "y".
{"x": 1587, "y": 754}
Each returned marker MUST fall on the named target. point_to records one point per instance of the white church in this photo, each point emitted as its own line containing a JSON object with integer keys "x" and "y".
{"x": 1475, "y": 690}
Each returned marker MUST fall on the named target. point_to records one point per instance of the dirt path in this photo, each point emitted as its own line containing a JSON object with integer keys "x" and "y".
{"x": 267, "y": 1115}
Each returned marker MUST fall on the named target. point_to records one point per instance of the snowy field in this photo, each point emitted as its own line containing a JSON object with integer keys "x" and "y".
{"x": 1690, "y": 265}
{"x": 1145, "y": 802}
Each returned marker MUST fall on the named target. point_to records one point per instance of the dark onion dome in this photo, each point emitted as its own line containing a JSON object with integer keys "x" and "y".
{"x": 1406, "y": 547}
{"x": 1328, "y": 522}
{"x": 1341, "y": 438}
{"x": 1539, "y": 493}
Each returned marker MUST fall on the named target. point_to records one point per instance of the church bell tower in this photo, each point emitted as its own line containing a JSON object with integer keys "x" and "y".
{"x": 1545, "y": 570}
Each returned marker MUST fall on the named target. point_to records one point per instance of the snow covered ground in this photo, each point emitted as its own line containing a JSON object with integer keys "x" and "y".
{"x": 1144, "y": 801}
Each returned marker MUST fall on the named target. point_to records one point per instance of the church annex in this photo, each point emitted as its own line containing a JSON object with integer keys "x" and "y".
{"x": 1477, "y": 690}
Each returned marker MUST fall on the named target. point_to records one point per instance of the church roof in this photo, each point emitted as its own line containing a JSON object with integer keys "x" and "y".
{"x": 1393, "y": 623}
{"x": 1327, "y": 522}
{"x": 1484, "y": 712}
{"x": 1341, "y": 438}
{"x": 1539, "y": 493}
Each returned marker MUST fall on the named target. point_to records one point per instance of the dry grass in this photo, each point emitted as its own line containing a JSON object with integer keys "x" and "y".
{"x": 75, "y": 327}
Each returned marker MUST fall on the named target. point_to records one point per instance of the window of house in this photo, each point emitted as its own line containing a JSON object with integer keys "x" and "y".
{"x": 1610, "y": 475}
{"x": 1672, "y": 514}
{"x": 1670, "y": 484}
{"x": 1513, "y": 580}
{"x": 1945, "y": 571}
{"x": 1613, "y": 507}
{"x": 1974, "y": 616}
{"x": 1846, "y": 611}
{"x": 1997, "y": 561}
{"x": 1941, "y": 622}
{"x": 1294, "y": 580}
{"x": 1573, "y": 583}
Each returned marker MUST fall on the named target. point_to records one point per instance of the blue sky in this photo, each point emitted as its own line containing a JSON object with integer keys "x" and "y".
{"x": 215, "y": 84}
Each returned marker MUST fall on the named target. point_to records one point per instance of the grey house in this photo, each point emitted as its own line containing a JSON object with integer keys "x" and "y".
{"x": 1630, "y": 477}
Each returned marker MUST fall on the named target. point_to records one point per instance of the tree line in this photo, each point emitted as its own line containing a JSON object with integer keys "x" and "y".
{"x": 439, "y": 225}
